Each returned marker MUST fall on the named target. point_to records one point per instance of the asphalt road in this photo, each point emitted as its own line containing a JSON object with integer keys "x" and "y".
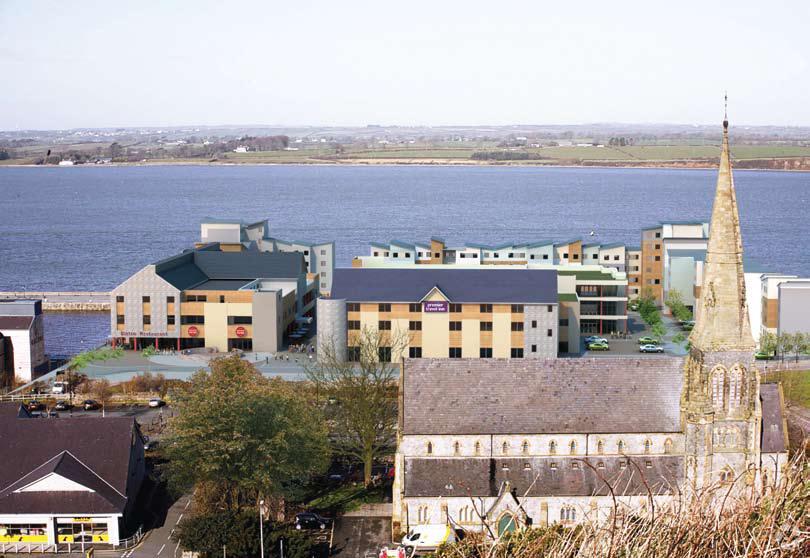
{"x": 361, "y": 537}
{"x": 158, "y": 542}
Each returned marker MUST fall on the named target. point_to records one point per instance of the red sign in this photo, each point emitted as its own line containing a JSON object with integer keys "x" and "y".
{"x": 193, "y": 331}
{"x": 240, "y": 331}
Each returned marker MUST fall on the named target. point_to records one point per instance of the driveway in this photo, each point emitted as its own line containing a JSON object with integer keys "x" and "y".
{"x": 361, "y": 536}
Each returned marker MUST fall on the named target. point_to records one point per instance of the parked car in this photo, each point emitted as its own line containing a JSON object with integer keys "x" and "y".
{"x": 427, "y": 538}
{"x": 762, "y": 355}
{"x": 59, "y": 387}
{"x": 311, "y": 520}
{"x": 91, "y": 405}
{"x": 646, "y": 340}
{"x": 651, "y": 349}
{"x": 598, "y": 346}
{"x": 63, "y": 405}
{"x": 156, "y": 402}
{"x": 35, "y": 405}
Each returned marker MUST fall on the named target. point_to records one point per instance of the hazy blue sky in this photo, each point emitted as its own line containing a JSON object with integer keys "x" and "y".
{"x": 154, "y": 63}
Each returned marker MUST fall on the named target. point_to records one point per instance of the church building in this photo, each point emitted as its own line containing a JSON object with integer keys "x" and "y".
{"x": 498, "y": 444}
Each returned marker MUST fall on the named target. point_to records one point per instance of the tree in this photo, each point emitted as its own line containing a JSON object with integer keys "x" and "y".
{"x": 103, "y": 391}
{"x": 768, "y": 343}
{"x": 365, "y": 391}
{"x": 676, "y": 306}
{"x": 248, "y": 436}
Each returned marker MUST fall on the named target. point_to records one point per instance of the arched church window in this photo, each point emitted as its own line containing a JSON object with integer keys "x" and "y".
{"x": 477, "y": 448}
{"x": 552, "y": 447}
{"x": 620, "y": 446}
{"x": 718, "y": 387}
{"x": 525, "y": 447}
{"x": 668, "y": 445}
{"x": 505, "y": 448}
{"x": 735, "y": 387}
{"x": 430, "y": 448}
{"x": 572, "y": 447}
{"x": 647, "y": 446}
{"x": 456, "y": 448}
{"x": 600, "y": 447}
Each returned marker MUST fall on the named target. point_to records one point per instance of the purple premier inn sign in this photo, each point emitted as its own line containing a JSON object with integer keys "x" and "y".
{"x": 435, "y": 306}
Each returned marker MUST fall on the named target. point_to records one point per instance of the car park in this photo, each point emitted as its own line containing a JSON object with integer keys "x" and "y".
{"x": 598, "y": 346}
{"x": 649, "y": 348}
{"x": 646, "y": 340}
{"x": 311, "y": 520}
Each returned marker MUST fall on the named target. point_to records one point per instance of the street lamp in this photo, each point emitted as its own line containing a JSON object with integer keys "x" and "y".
{"x": 261, "y": 527}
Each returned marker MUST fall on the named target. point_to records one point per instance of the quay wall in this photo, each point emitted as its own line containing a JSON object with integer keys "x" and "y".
{"x": 65, "y": 301}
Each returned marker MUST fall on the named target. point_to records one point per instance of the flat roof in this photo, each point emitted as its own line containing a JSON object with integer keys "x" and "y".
{"x": 472, "y": 285}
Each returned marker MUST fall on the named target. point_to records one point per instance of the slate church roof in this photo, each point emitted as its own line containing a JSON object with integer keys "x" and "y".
{"x": 529, "y": 396}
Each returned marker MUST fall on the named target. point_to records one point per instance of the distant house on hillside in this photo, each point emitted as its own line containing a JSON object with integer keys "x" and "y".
{"x": 241, "y": 149}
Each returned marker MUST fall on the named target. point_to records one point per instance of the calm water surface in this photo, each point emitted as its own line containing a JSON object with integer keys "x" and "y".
{"x": 88, "y": 228}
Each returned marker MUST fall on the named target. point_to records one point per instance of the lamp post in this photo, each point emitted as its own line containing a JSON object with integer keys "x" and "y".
{"x": 261, "y": 526}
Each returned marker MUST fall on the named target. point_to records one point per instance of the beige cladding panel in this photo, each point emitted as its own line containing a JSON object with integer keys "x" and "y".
{"x": 369, "y": 319}
{"x": 435, "y": 338}
{"x": 216, "y": 326}
{"x": 470, "y": 338}
{"x": 399, "y": 332}
{"x": 501, "y": 335}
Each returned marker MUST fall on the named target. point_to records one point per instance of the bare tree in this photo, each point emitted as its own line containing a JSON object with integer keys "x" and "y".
{"x": 364, "y": 392}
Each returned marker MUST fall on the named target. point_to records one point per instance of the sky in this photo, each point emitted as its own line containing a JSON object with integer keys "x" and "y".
{"x": 439, "y": 62}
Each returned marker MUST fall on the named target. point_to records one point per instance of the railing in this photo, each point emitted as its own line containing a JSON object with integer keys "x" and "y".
{"x": 67, "y": 548}
{"x": 28, "y": 548}
{"x": 132, "y": 541}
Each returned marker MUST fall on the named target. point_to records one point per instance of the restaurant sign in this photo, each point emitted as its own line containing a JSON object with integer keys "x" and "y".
{"x": 240, "y": 331}
{"x": 193, "y": 331}
{"x": 435, "y": 306}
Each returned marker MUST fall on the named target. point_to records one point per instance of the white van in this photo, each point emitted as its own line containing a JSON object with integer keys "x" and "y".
{"x": 427, "y": 538}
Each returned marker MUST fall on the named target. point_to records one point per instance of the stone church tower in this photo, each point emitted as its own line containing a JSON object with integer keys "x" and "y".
{"x": 720, "y": 404}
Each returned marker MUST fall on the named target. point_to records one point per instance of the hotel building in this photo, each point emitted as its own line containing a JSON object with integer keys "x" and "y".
{"x": 447, "y": 313}
{"x": 785, "y": 304}
{"x": 214, "y": 298}
{"x": 238, "y": 236}
{"x": 23, "y": 330}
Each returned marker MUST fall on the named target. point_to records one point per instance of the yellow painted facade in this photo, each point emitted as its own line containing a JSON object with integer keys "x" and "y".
{"x": 216, "y": 322}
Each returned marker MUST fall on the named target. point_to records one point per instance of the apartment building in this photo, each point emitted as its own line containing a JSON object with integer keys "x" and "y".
{"x": 22, "y": 326}
{"x": 444, "y": 313}
{"x": 785, "y": 304}
{"x": 214, "y": 298}
{"x": 238, "y": 236}
{"x": 672, "y": 256}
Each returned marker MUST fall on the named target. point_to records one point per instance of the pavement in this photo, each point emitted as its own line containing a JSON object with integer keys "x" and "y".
{"x": 361, "y": 537}
{"x": 158, "y": 542}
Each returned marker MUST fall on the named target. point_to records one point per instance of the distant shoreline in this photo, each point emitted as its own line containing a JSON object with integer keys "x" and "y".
{"x": 677, "y": 165}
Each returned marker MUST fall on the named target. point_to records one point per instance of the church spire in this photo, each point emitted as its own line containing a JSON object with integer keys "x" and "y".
{"x": 722, "y": 314}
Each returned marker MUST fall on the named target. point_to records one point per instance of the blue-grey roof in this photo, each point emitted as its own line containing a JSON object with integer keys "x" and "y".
{"x": 402, "y": 244}
{"x": 459, "y": 285}
{"x": 613, "y": 245}
{"x": 193, "y": 268}
{"x": 379, "y": 245}
{"x": 540, "y": 244}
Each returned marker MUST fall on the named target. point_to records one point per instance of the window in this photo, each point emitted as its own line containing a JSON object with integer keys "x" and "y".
{"x": 169, "y": 300}
{"x": 485, "y": 326}
{"x": 657, "y": 235}
{"x": 415, "y": 352}
{"x": 119, "y": 298}
{"x": 516, "y": 352}
{"x": 455, "y": 308}
{"x": 353, "y": 354}
{"x": 505, "y": 448}
{"x": 534, "y": 348}
{"x": 616, "y": 257}
{"x": 552, "y": 466}
{"x": 414, "y": 307}
{"x": 188, "y": 320}
{"x": 407, "y": 254}
{"x": 221, "y": 298}
{"x": 620, "y": 446}
{"x": 455, "y": 326}
{"x": 415, "y": 325}
{"x": 517, "y": 326}
{"x": 437, "y": 255}
{"x": 353, "y": 324}
{"x": 524, "y": 447}
{"x": 718, "y": 387}
{"x": 534, "y": 324}
{"x": 306, "y": 253}
{"x": 572, "y": 447}
{"x": 496, "y": 255}
{"x": 485, "y": 309}
{"x": 477, "y": 448}
{"x": 384, "y": 325}
{"x": 119, "y": 319}
{"x": 549, "y": 333}
{"x": 657, "y": 246}
{"x": 384, "y": 307}
{"x": 511, "y": 255}
{"x": 146, "y": 299}
{"x": 658, "y": 258}
{"x": 485, "y": 352}
{"x": 323, "y": 252}
{"x": 454, "y": 352}
{"x": 517, "y": 308}
{"x": 196, "y": 298}
{"x": 568, "y": 514}
{"x": 550, "y": 308}
{"x": 147, "y": 319}
{"x": 565, "y": 255}
{"x": 576, "y": 256}
{"x": 545, "y": 256}
{"x": 462, "y": 255}
{"x": 240, "y": 320}
{"x": 622, "y": 464}
{"x": 422, "y": 514}
{"x": 647, "y": 446}
{"x": 575, "y": 465}
{"x": 430, "y": 448}
{"x": 376, "y": 254}
{"x": 552, "y": 448}
{"x": 564, "y": 322}
{"x": 456, "y": 448}
{"x": 531, "y": 257}
{"x": 600, "y": 447}
{"x": 600, "y": 465}
{"x": 384, "y": 354}
{"x": 607, "y": 257}
{"x": 735, "y": 387}
{"x": 170, "y": 319}
{"x": 396, "y": 254}
{"x": 352, "y": 307}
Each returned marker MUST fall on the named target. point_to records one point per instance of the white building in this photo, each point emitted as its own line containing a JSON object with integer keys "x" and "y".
{"x": 21, "y": 321}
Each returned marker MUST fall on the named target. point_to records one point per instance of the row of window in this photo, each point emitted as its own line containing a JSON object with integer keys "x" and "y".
{"x": 552, "y": 447}
{"x": 415, "y": 325}
{"x": 454, "y": 308}
{"x": 468, "y": 514}
{"x": 384, "y": 353}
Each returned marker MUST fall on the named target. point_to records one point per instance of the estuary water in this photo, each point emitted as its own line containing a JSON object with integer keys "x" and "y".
{"x": 88, "y": 228}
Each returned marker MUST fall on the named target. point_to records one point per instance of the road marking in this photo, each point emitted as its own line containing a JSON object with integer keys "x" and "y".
{"x": 161, "y": 550}
{"x": 187, "y": 504}
{"x": 170, "y": 534}
{"x": 176, "y": 547}
{"x": 178, "y": 519}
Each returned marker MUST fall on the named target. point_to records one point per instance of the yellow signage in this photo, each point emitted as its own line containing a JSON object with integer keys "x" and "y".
{"x": 81, "y": 520}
